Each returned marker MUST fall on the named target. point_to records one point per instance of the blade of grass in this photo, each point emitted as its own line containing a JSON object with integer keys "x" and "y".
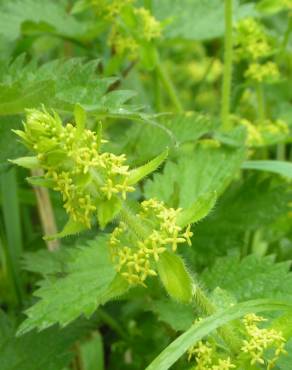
{"x": 12, "y": 225}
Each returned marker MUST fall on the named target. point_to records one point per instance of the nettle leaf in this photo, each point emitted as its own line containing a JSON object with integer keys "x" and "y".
{"x": 49, "y": 350}
{"x": 38, "y": 15}
{"x": 251, "y": 277}
{"x": 60, "y": 84}
{"x": 143, "y": 142}
{"x": 205, "y": 170}
{"x": 177, "y": 315}
{"x": 246, "y": 206}
{"x": 196, "y": 19}
{"x": 88, "y": 281}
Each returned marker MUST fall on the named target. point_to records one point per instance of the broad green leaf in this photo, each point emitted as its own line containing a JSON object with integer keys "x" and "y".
{"x": 107, "y": 210}
{"x": 139, "y": 173}
{"x": 196, "y": 19}
{"x": 279, "y": 167}
{"x": 206, "y": 326}
{"x": 177, "y": 315}
{"x": 204, "y": 170}
{"x": 51, "y": 16}
{"x": 196, "y": 212}
{"x": 256, "y": 277}
{"x": 49, "y": 350}
{"x": 89, "y": 281}
{"x": 175, "y": 277}
{"x": 146, "y": 140}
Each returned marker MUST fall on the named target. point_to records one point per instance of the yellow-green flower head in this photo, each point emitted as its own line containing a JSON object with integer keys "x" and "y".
{"x": 74, "y": 166}
{"x": 267, "y": 72}
{"x": 109, "y": 9}
{"x": 123, "y": 44}
{"x": 206, "y": 357}
{"x": 251, "y": 42}
{"x": 259, "y": 340}
{"x": 149, "y": 27}
{"x": 137, "y": 247}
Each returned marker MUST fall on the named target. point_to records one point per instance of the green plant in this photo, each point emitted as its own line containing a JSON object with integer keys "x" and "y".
{"x": 157, "y": 220}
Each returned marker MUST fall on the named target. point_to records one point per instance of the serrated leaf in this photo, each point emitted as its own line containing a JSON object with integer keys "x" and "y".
{"x": 139, "y": 173}
{"x": 205, "y": 170}
{"x": 90, "y": 280}
{"x": 151, "y": 137}
{"x": 250, "y": 278}
{"x": 71, "y": 227}
{"x": 199, "y": 210}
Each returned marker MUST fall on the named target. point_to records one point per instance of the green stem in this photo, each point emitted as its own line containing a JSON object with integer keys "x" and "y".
{"x": 286, "y": 37}
{"x": 261, "y": 103}
{"x": 227, "y": 71}
{"x": 168, "y": 85}
{"x": 226, "y": 332}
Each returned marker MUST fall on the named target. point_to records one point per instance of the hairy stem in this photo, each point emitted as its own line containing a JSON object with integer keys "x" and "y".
{"x": 226, "y": 332}
{"x": 168, "y": 85}
{"x": 227, "y": 71}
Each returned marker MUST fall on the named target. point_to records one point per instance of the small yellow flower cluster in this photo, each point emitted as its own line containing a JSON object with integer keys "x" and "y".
{"x": 126, "y": 39}
{"x": 123, "y": 44}
{"x": 73, "y": 164}
{"x": 262, "y": 72}
{"x": 109, "y": 9}
{"x": 251, "y": 41}
{"x": 150, "y": 27}
{"x": 261, "y": 339}
{"x": 265, "y": 132}
{"x": 135, "y": 250}
{"x": 205, "y": 355}
{"x": 254, "y": 137}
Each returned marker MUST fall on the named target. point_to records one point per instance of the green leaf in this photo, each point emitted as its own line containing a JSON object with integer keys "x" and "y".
{"x": 49, "y": 350}
{"x": 16, "y": 98}
{"x": 206, "y": 326}
{"x": 196, "y": 19}
{"x": 80, "y": 117}
{"x": 146, "y": 140}
{"x": 199, "y": 210}
{"x": 26, "y": 162}
{"x": 256, "y": 277}
{"x": 71, "y": 227}
{"x": 279, "y": 167}
{"x": 89, "y": 281}
{"x": 108, "y": 210}
{"x": 139, "y": 173}
{"x": 177, "y": 315}
{"x": 203, "y": 171}
{"x": 175, "y": 278}
{"x": 51, "y": 15}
